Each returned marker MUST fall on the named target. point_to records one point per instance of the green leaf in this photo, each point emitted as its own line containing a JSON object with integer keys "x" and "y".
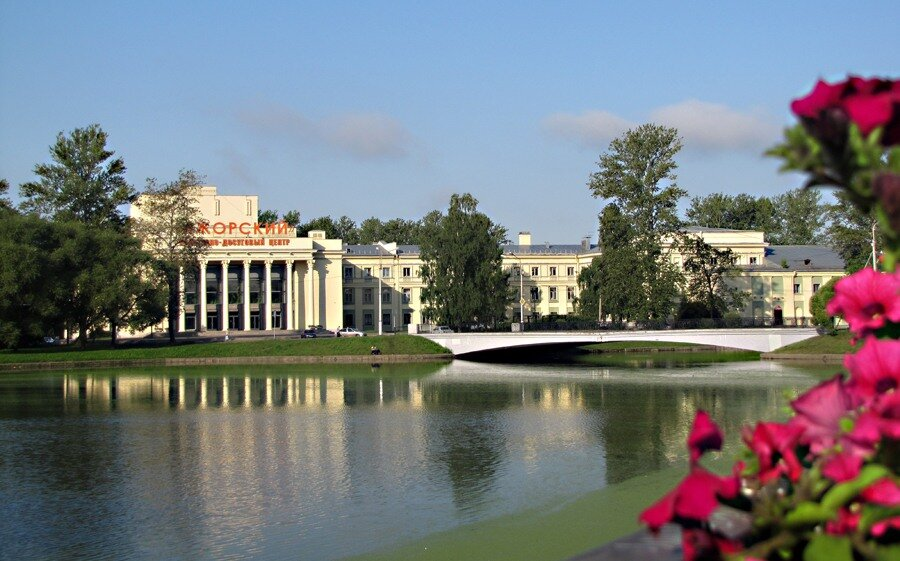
{"x": 887, "y": 553}
{"x": 872, "y": 514}
{"x": 841, "y": 494}
{"x": 808, "y": 513}
{"x": 824, "y": 547}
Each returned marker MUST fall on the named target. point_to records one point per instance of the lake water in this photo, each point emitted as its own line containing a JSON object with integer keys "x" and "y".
{"x": 327, "y": 462}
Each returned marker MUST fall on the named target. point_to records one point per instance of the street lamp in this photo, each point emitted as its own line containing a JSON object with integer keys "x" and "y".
{"x": 521, "y": 294}
{"x": 390, "y": 249}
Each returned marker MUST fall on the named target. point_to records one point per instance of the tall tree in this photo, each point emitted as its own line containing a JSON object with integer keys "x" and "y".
{"x": 167, "y": 218}
{"x": 708, "y": 271}
{"x": 342, "y": 229}
{"x": 462, "y": 266}
{"x": 396, "y": 230}
{"x": 638, "y": 174}
{"x": 83, "y": 183}
{"x": 291, "y": 217}
{"x": 799, "y": 217}
{"x": 5, "y": 204}
{"x": 738, "y": 212}
{"x": 615, "y": 269}
{"x": 850, "y": 233}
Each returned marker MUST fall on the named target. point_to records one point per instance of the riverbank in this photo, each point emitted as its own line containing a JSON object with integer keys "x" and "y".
{"x": 393, "y": 348}
{"x": 824, "y": 349}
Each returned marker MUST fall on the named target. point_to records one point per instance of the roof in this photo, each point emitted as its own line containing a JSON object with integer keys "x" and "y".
{"x": 372, "y": 249}
{"x": 547, "y": 249}
{"x": 801, "y": 258}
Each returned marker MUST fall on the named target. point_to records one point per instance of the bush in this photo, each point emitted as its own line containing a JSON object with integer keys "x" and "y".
{"x": 733, "y": 319}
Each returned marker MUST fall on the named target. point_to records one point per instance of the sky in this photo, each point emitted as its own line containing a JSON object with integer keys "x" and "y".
{"x": 385, "y": 109}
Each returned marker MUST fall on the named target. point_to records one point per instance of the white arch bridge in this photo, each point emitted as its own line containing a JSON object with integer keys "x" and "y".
{"x": 765, "y": 339}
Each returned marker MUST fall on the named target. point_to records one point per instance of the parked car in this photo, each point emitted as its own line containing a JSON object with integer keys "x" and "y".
{"x": 350, "y": 332}
{"x": 322, "y": 332}
{"x": 442, "y": 329}
{"x": 308, "y": 333}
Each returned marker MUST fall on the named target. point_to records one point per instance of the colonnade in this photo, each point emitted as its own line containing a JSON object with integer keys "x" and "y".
{"x": 298, "y": 288}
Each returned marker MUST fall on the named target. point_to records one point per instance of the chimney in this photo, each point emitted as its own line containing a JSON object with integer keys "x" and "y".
{"x": 524, "y": 238}
{"x": 585, "y": 244}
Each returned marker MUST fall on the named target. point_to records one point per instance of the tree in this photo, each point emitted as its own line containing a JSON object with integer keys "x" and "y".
{"x": 342, "y": 229}
{"x": 738, "y": 212}
{"x": 6, "y": 205}
{"x": 291, "y": 218}
{"x": 396, "y": 230}
{"x": 638, "y": 174}
{"x": 82, "y": 184}
{"x": 462, "y": 266}
{"x": 167, "y": 220}
{"x": 707, "y": 271}
{"x": 818, "y": 303}
{"x": 850, "y": 233}
{"x": 799, "y": 217}
{"x": 612, "y": 275}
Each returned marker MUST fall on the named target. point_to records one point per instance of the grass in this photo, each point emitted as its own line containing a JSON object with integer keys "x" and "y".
{"x": 343, "y": 346}
{"x": 822, "y": 345}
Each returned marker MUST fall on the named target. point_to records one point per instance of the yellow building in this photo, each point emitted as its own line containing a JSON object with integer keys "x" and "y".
{"x": 259, "y": 277}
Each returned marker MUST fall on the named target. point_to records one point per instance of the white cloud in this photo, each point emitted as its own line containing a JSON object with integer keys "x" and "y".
{"x": 360, "y": 135}
{"x": 712, "y": 126}
{"x": 591, "y": 129}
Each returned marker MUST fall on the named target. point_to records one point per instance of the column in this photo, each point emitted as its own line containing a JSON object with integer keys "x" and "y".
{"x": 245, "y": 298}
{"x": 224, "y": 298}
{"x": 268, "y": 307}
{"x": 310, "y": 292}
{"x": 201, "y": 290}
{"x": 289, "y": 295}
{"x": 181, "y": 300}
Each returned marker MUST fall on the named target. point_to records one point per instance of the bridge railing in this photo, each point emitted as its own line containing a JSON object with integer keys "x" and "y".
{"x": 703, "y": 323}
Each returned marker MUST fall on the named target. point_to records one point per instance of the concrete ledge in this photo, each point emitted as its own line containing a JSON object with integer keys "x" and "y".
{"x": 218, "y": 361}
{"x": 640, "y": 546}
{"x": 807, "y": 358}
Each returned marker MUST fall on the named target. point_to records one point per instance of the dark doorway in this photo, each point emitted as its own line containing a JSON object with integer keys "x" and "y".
{"x": 777, "y": 316}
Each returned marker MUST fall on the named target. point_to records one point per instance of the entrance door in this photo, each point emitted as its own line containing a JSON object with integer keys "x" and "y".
{"x": 778, "y": 316}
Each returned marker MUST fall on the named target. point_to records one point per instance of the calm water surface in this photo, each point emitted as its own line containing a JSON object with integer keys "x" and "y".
{"x": 324, "y": 462}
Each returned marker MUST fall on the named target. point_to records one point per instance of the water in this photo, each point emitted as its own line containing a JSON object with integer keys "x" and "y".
{"x": 326, "y": 462}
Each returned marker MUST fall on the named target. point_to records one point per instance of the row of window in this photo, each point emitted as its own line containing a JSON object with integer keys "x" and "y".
{"x": 553, "y": 271}
{"x": 368, "y": 294}
{"x": 366, "y": 272}
{"x": 758, "y": 285}
{"x": 234, "y": 321}
{"x": 235, "y": 286}
{"x": 368, "y": 318}
{"x": 553, "y": 293}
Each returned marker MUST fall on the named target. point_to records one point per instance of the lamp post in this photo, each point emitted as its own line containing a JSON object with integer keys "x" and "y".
{"x": 521, "y": 294}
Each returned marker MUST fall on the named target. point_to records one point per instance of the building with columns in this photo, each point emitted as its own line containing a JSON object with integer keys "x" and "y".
{"x": 262, "y": 277}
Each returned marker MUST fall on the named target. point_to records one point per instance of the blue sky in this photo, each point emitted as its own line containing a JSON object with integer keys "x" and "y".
{"x": 385, "y": 109}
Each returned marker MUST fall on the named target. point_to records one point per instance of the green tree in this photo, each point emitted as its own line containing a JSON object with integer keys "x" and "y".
{"x": 291, "y": 218}
{"x": 83, "y": 183}
{"x": 850, "y": 233}
{"x": 462, "y": 266}
{"x": 396, "y": 230}
{"x": 799, "y": 218}
{"x": 166, "y": 224}
{"x": 818, "y": 303}
{"x": 5, "y": 204}
{"x": 638, "y": 174}
{"x": 738, "y": 212}
{"x": 587, "y": 305}
{"x": 342, "y": 229}
{"x": 708, "y": 271}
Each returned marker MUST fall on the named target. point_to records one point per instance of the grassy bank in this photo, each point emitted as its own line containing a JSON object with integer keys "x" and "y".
{"x": 349, "y": 346}
{"x": 822, "y": 345}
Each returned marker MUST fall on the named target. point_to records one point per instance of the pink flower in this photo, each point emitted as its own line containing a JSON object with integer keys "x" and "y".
{"x": 705, "y": 435}
{"x": 883, "y": 492}
{"x": 695, "y": 498}
{"x": 847, "y": 522}
{"x": 698, "y": 544}
{"x": 865, "y": 299}
{"x": 874, "y": 369}
{"x": 773, "y": 444}
{"x": 819, "y": 414}
{"x": 870, "y": 103}
{"x": 842, "y": 467}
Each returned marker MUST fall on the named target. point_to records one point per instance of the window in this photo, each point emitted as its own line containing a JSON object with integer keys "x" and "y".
{"x": 407, "y": 317}
{"x": 277, "y": 287}
{"x": 212, "y": 321}
{"x": 797, "y": 288}
{"x": 570, "y": 271}
{"x": 753, "y": 260}
{"x": 367, "y": 272}
{"x": 367, "y": 296}
{"x": 349, "y": 319}
{"x": 386, "y": 319}
{"x": 535, "y": 294}
{"x": 255, "y": 284}
{"x": 553, "y": 294}
{"x": 367, "y": 319}
{"x": 385, "y": 272}
{"x": 234, "y": 288}
{"x": 535, "y": 271}
{"x": 552, "y": 271}
{"x": 276, "y": 319}
{"x": 386, "y": 296}
{"x": 756, "y": 284}
{"x": 190, "y": 289}
{"x": 348, "y": 273}
{"x": 816, "y": 284}
{"x": 190, "y": 322}
{"x": 348, "y": 296}
{"x": 407, "y": 293}
{"x": 407, "y": 272}
{"x": 254, "y": 321}
{"x": 234, "y": 320}
{"x": 777, "y": 285}
{"x": 570, "y": 293}
{"x": 815, "y": 288}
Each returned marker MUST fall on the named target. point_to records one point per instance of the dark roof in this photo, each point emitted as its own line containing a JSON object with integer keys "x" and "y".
{"x": 372, "y": 249}
{"x": 547, "y": 249}
{"x": 801, "y": 258}
{"x": 711, "y": 229}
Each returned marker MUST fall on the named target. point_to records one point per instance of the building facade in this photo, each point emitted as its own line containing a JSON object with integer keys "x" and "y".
{"x": 262, "y": 277}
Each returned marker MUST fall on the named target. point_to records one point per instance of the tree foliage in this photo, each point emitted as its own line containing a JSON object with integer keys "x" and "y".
{"x": 707, "y": 271}
{"x": 169, "y": 214}
{"x": 818, "y": 303}
{"x": 850, "y": 233}
{"x": 462, "y": 266}
{"x": 84, "y": 182}
{"x": 637, "y": 173}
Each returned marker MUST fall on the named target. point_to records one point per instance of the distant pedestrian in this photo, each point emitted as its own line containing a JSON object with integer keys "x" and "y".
{"x": 375, "y": 350}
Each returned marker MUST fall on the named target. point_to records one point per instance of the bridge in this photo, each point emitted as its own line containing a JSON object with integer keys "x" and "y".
{"x": 764, "y": 340}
